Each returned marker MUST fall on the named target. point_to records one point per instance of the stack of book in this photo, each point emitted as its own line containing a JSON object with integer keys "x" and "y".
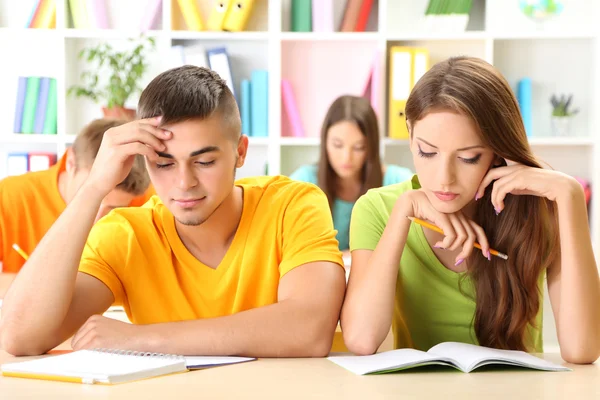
{"x": 448, "y": 15}
{"x": 36, "y": 106}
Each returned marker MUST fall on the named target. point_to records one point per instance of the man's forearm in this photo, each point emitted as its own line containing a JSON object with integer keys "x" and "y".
{"x": 285, "y": 329}
{"x": 39, "y": 297}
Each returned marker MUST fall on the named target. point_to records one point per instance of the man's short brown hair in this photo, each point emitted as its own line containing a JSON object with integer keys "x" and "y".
{"x": 190, "y": 92}
{"x": 87, "y": 144}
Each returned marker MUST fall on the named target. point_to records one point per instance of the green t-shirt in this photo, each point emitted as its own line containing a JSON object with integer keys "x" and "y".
{"x": 433, "y": 304}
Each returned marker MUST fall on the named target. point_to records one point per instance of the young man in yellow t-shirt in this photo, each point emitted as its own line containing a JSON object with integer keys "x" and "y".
{"x": 31, "y": 203}
{"x": 210, "y": 266}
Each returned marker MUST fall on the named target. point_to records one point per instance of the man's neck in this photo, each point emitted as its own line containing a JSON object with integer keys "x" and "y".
{"x": 218, "y": 231}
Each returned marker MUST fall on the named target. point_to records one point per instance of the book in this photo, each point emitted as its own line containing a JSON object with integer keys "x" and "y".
{"x": 363, "y": 15}
{"x": 17, "y": 164}
{"x": 245, "y": 109}
{"x": 351, "y": 15}
{"x": 51, "y": 118}
{"x": 110, "y": 366}
{"x": 301, "y": 16}
{"x": 291, "y": 108}
{"x": 462, "y": 356}
{"x": 217, "y": 16}
{"x": 150, "y": 16}
{"x": 42, "y": 104}
{"x": 259, "y": 103}
{"x": 524, "y": 94}
{"x": 98, "y": 16}
{"x": 21, "y": 90}
{"x": 322, "y": 15}
{"x": 218, "y": 61}
{"x": 30, "y": 105}
{"x": 237, "y": 15}
{"x": 191, "y": 14}
{"x": 79, "y": 14}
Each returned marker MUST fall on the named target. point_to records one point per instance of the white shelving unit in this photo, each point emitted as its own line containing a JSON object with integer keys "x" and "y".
{"x": 564, "y": 57}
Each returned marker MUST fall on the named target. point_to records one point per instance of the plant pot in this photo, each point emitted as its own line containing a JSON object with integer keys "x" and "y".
{"x": 119, "y": 113}
{"x": 561, "y": 126}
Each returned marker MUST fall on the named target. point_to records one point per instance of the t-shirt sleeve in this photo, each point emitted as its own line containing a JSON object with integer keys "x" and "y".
{"x": 105, "y": 254}
{"x": 396, "y": 174}
{"x": 306, "y": 173}
{"x": 366, "y": 224}
{"x": 307, "y": 232}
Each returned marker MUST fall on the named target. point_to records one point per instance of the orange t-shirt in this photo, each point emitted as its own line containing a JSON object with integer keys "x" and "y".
{"x": 138, "y": 255}
{"x": 29, "y": 205}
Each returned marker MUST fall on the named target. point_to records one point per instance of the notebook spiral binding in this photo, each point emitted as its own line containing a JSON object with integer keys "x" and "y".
{"x": 138, "y": 354}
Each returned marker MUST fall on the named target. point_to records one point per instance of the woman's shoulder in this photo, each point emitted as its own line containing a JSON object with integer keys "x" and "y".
{"x": 386, "y": 196}
{"x": 306, "y": 173}
{"x": 396, "y": 174}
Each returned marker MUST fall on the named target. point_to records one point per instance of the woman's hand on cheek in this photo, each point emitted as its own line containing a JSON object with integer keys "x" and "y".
{"x": 522, "y": 180}
{"x": 459, "y": 231}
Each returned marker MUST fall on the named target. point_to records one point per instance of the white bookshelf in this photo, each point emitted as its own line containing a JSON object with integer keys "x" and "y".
{"x": 564, "y": 57}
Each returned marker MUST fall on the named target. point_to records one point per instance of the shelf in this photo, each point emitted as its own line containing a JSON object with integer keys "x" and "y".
{"x": 395, "y": 142}
{"x": 561, "y": 141}
{"x": 206, "y": 35}
{"x": 467, "y": 35}
{"x": 17, "y": 138}
{"x": 297, "y": 141}
{"x": 107, "y": 33}
{"x": 259, "y": 141}
{"x": 328, "y": 36}
{"x": 542, "y": 35}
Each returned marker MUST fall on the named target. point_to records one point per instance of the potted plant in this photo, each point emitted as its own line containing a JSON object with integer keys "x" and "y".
{"x": 114, "y": 76}
{"x": 562, "y": 114}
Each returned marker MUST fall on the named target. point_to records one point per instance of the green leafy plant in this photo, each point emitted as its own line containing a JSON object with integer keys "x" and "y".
{"x": 115, "y": 75}
{"x": 561, "y": 106}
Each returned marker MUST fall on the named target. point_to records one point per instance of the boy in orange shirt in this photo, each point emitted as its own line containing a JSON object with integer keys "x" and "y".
{"x": 31, "y": 203}
{"x": 210, "y": 266}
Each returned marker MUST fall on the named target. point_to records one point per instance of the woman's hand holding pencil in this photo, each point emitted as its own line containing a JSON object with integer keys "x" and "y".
{"x": 459, "y": 231}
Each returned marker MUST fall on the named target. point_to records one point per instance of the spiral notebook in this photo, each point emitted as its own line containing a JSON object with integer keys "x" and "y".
{"x": 110, "y": 366}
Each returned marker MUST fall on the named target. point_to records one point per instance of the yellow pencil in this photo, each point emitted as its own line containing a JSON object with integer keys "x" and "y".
{"x": 437, "y": 229}
{"x": 20, "y": 251}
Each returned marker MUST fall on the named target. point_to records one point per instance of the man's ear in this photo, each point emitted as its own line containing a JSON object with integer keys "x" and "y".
{"x": 71, "y": 164}
{"x": 241, "y": 151}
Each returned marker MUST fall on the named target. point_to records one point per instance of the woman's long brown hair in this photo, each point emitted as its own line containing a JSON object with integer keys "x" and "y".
{"x": 507, "y": 292}
{"x": 358, "y": 110}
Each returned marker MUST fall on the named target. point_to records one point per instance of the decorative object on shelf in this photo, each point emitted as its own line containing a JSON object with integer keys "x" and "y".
{"x": 448, "y": 15}
{"x": 541, "y": 10}
{"x": 114, "y": 76}
{"x": 562, "y": 114}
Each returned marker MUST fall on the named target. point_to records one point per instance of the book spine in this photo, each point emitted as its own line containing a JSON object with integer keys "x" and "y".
{"x": 301, "y": 16}
{"x": 35, "y": 4}
{"x": 151, "y": 15}
{"x": 322, "y": 15}
{"x": 42, "y": 102}
{"x": 31, "y": 97}
{"x": 51, "y": 118}
{"x": 524, "y": 98}
{"x": 98, "y": 16}
{"x": 363, "y": 15}
{"x": 21, "y": 91}
{"x": 351, "y": 15}
{"x": 260, "y": 103}
{"x": 191, "y": 14}
{"x": 246, "y": 89}
{"x": 291, "y": 108}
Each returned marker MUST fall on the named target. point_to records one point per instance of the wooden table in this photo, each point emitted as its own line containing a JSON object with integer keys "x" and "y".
{"x": 308, "y": 378}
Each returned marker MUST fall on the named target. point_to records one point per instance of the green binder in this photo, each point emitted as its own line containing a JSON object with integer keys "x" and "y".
{"x": 51, "y": 109}
{"x": 301, "y": 16}
{"x": 31, "y": 97}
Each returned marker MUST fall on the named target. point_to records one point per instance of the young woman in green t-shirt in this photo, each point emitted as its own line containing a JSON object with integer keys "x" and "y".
{"x": 478, "y": 180}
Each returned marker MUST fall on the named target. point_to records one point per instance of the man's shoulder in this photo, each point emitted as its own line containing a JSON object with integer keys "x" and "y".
{"x": 25, "y": 186}
{"x": 138, "y": 220}
{"x": 279, "y": 189}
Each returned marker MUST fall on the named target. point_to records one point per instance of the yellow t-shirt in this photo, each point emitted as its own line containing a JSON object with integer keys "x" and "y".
{"x": 29, "y": 205}
{"x": 139, "y": 256}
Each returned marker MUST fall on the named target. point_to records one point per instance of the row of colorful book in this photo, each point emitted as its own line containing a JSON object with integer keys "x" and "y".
{"x": 253, "y": 96}
{"x": 95, "y": 14}
{"x": 43, "y": 14}
{"x": 20, "y": 163}
{"x": 36, "y": 105}
{"x": 318, "y": 16}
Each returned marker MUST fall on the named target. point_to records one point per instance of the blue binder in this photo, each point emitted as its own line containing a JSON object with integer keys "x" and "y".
{"x": 259, "y": 110}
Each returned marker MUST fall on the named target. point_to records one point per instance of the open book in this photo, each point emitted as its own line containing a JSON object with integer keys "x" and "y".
{"x": 111, "y": 367}
{"x": 463, "y": 356}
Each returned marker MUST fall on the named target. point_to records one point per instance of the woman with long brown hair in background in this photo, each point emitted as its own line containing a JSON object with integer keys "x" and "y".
{"x": 478, "y": 180}
{"x": 349, "y": 162}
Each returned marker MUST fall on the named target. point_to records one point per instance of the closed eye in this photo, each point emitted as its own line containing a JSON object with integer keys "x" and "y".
{"x": 206, "y": 164}
{"x": 473, "y": 160}
{"x": 424, "y": 154}
{"x": 163, "y": 165}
